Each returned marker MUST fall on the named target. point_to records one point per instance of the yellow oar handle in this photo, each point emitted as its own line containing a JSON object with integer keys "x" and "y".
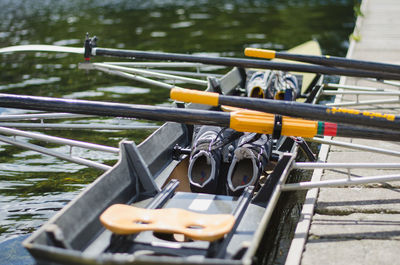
{"x": 125, "y": 219}
{"x": 194, "y": 96}
{"x": 260, "y": 53}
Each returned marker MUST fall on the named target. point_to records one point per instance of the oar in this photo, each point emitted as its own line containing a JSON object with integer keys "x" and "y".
{"x": 307, "y": 127}
{"x": 244, "y": 63}
{"x": 225, "y": 61}
{"x": 244, "y": 120}
{"x": 324, "y": 60}
{"x": 291, "y": 108}
{"x": 240, "y": 120}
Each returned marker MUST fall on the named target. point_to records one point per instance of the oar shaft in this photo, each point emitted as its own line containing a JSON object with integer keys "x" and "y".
{"x": 244, "y": 63}
{"x": 294, "y": 109}
{"x": 324, "y": 60}
{"x": 343, "y": 62}
{"x": 188, "y": 116}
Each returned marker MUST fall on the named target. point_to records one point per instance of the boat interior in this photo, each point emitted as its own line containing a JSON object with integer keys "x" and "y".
{"x": 153, "y": 175}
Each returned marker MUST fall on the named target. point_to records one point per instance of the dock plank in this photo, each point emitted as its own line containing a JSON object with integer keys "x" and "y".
{"x": 351, "y": 251}
{"x": 356, "y": 226}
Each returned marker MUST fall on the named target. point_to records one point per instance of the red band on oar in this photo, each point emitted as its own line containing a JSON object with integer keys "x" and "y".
{"x": 330, "y": 129}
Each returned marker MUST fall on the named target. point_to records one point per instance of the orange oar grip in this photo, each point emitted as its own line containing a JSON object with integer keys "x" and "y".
{"x": 259, "y": 53}
{"x": 194, "y": 96}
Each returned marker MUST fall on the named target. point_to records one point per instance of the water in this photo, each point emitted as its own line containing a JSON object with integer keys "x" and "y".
{"x": 34, "y": 186}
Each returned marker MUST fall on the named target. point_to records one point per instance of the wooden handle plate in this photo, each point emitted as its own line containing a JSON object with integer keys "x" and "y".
{"x": 125, "y": 219}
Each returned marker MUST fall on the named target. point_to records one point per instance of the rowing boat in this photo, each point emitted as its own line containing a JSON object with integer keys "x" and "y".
{"x": 153, "y": 175}
{"x": 143, "y": 209}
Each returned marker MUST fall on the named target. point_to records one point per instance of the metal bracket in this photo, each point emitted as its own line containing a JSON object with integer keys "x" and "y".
{"x": 305, "y": 148}
{"x": 277, "y": 127}
{"x": 88, "y": 45}
{"x": 177, "y": 151}
{"x": 264, "y": 194}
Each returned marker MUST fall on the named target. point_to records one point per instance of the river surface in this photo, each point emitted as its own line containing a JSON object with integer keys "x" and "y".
{"x": 33, "y": 187}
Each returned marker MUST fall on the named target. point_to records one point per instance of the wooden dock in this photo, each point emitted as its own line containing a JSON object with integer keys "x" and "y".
{"x": 357, "y": 225}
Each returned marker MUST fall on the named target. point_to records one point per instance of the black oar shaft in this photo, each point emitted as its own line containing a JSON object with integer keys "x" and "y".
{"x": 341, "y": 62}
{"x": 367, "y": 133}
{"x": 244, "y": 63}
{"x": 188, "y": 116}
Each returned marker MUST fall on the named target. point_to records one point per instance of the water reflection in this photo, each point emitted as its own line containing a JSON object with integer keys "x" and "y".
{"x": 31, "y": 82}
